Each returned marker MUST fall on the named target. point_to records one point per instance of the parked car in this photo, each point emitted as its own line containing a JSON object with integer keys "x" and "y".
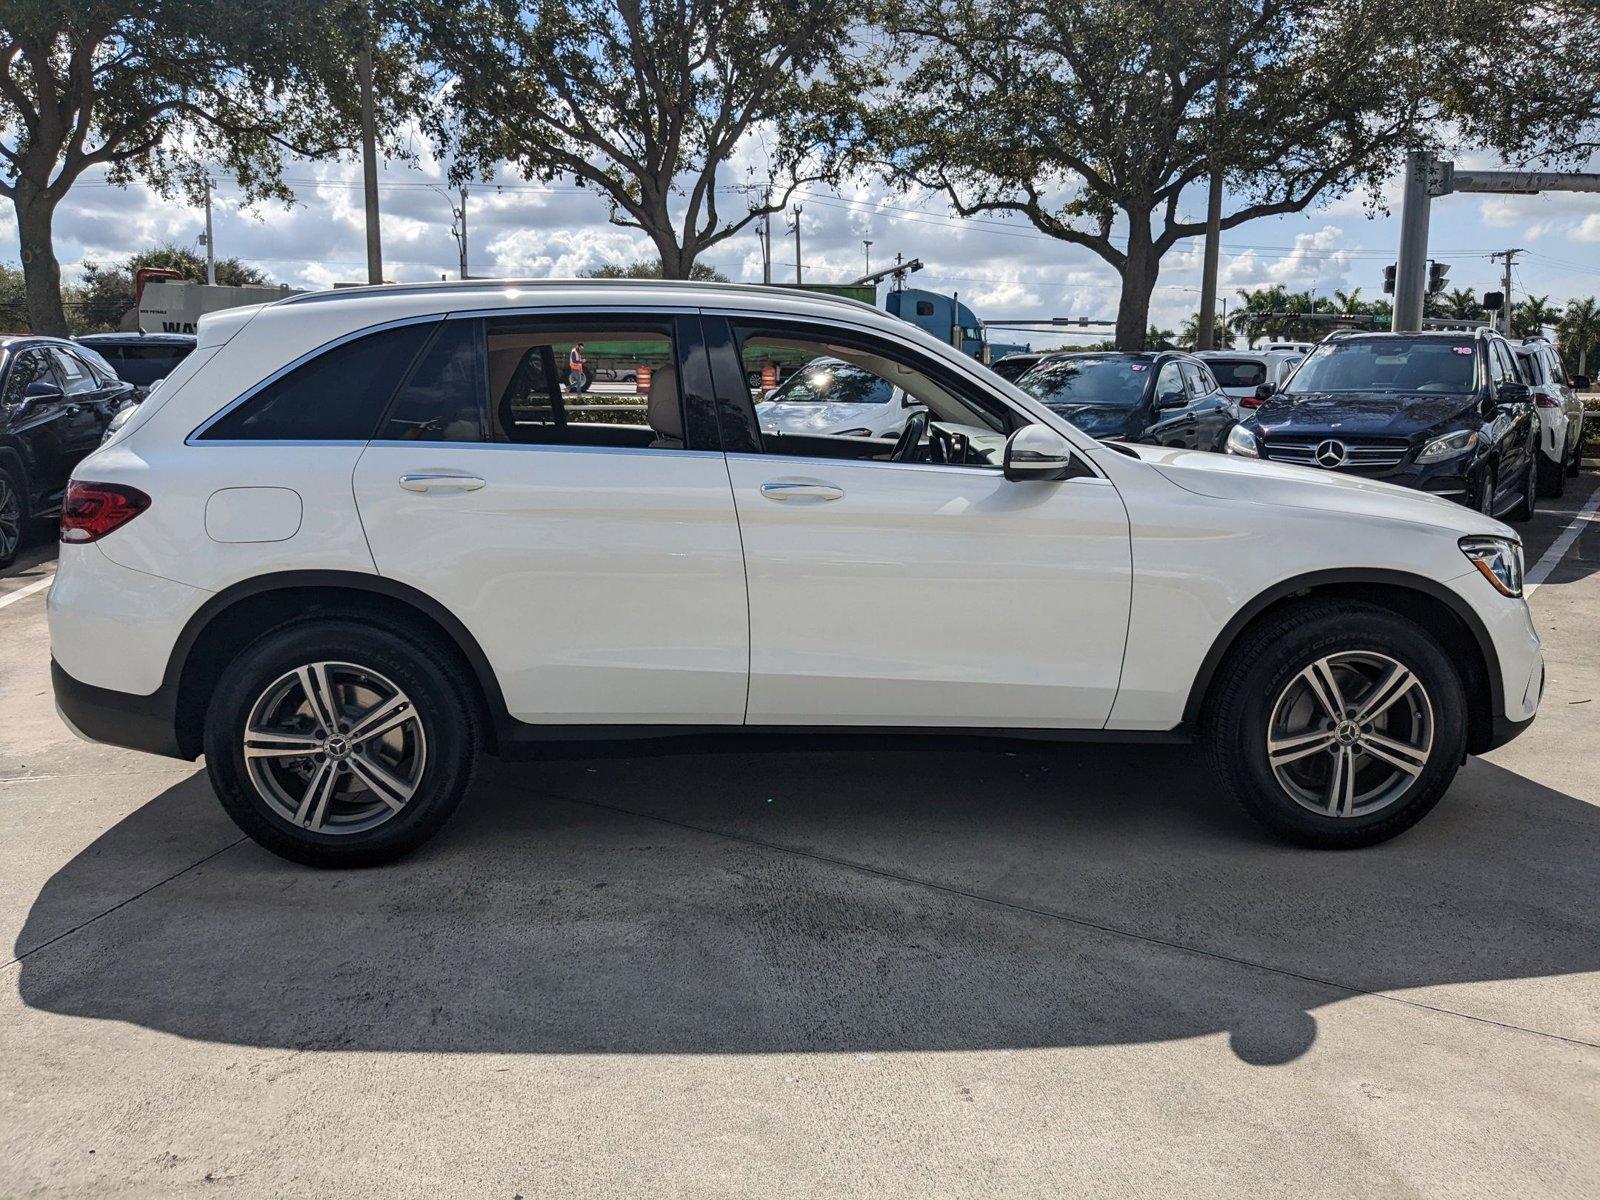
{"x": 353, "y": 542}
{"x": 141, "y": 359}
{"x": 1241, "y": 373}
{"x": 1166, "y": 398}
{"x": 829, "y": 396}
{"x": 1012, "y": 367}
{"x": 1560, "y": 412}
{"x": 1445, "y": 413}
{"x": 55, "y": 400}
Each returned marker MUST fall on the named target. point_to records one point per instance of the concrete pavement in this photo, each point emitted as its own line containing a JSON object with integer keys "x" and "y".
{"x": 1065, "y": 970}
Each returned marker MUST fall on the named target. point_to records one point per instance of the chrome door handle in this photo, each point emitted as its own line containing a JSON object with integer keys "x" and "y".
{"x": 796, "y": 490}
{"x": 440, "y": 481}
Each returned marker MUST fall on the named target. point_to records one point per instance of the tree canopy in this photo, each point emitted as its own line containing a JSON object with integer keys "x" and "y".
{"x": 166, "y": 91}
{"x": 646, "y": 101}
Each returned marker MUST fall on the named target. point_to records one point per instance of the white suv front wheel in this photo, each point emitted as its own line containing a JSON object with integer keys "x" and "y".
{"x": 1337, "y": 723}
{"x": 334, "y": 744}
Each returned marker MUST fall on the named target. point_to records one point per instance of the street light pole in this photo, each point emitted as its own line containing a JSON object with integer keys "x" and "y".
{"x": 797, "y": 270}
{"x": 866, "y": 244}
{"x": 369, "y": 165}
{"x": 1207, "y": 338}
{"x": 211, "y": 247}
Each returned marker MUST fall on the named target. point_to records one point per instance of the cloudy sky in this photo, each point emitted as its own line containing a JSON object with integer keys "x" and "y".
{"x": 1002, "y": 267}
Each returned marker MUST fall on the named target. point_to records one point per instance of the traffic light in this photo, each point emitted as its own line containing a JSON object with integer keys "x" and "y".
{"x": 1436, "y": 275}
{"x": 1388, "y": 279}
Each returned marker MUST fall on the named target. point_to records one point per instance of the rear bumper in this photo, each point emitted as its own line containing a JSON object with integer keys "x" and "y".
{"x": 146, "y": 723}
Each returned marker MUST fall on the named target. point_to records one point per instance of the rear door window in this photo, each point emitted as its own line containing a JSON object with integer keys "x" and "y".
{"x": 338, "y": 395}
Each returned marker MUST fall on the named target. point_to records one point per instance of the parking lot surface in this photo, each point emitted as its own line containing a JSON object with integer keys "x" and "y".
{"x": 1036, "y": 972}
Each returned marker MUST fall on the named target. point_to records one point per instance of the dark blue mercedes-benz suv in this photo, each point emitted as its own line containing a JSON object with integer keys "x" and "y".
{"x": 1446, "y": 413}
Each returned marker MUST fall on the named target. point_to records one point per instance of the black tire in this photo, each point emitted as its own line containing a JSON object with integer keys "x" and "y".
{"x": 444, "y": 705}
{"x": 1552, "y": 477}
{"x": 1576, "y": 464}
{"x": 1528, "y": 498}
{"x": 1263, "y": 665}
{"x": 14, "y": 514}
{"x": 1488, "y": 485}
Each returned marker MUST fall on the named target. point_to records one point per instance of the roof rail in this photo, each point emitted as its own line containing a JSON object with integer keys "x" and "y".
{"x": 454, "y": 287}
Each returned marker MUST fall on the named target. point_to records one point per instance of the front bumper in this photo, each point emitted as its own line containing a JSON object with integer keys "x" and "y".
{"x": 147, "y": 723}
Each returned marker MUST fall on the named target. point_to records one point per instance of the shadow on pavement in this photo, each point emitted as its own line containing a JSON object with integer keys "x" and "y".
{"x": 867, "y": 901}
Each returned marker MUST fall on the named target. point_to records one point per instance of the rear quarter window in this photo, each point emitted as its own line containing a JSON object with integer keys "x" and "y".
{"x": 337, "y": 395}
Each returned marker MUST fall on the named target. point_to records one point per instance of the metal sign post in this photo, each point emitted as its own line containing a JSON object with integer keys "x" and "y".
{"x": 1427, "y": 177}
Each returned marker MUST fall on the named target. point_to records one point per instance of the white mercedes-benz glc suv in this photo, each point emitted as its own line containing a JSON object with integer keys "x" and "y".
{"x": 359, "y": 537}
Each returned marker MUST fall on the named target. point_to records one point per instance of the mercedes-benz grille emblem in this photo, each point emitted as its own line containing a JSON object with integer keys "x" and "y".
{"x": 1330, "y": 454}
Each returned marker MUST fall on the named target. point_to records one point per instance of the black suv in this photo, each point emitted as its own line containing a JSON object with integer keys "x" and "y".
{"x": 1442, "y": 412}
{"x": 55, "y": 403}
{"x": 1167, "y": 397}
{"x": 142, "y": 359}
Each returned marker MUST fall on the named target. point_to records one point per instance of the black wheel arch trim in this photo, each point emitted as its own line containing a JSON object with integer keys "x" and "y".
{"x": 1311, "y": 581}
{"x": 379, "y": 585}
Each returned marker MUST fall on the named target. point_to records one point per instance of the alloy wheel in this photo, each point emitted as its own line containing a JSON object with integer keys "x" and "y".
{"x": 10, "y": 519}
{"x": 1350, "y": 734}
{"x": 335, "y": 748}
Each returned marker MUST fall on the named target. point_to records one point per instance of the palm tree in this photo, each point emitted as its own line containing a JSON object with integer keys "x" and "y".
{"x": 1189, "y": 335}
{"x": 1578, "y": 330}
{"x": 1531, "y": 316}
{"x": 1461, "y": 304}
{"x": 1350, "y": 302}
{"x": 1159, "y": 339}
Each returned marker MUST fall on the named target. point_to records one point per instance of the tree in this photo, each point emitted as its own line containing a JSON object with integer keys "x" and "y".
{"x": 1189, "y": 335}
{"x": 645, "y": 101}
{"x": 650, "y": 268}
{"x": 1579, "y": 330}
{"x": 108, "y": 292}
{"x": 1530, "y": 316}
{"x": 1461, "y": 304}
{"x": 1157, "y": 338}
{"x": 164, "y": 90}
{"x": 1092, "y": 119}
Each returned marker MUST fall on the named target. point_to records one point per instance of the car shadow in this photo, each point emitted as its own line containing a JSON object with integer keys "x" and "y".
{"x": 865, "y": 901}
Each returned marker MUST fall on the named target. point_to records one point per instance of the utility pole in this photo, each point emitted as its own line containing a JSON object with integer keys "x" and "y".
{"x": 797, "y": 211}
{"x": 1503, "y": 317}
{"x": 210, "y": 242}
{"x": 766, "y": 245}
{"x": 1207, "y": 338}
{"x": 369, "y": 164}
{"x": 463, "y": 238}
{"x": 866, "y": 244}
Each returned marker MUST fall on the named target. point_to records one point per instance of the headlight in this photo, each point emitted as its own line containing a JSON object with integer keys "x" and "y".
{"x": 1242, "y": 441}
{"x": 1448, "y": 446}
{"x": 1499, "y": 559}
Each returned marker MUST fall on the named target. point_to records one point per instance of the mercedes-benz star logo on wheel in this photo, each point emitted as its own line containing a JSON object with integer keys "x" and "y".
{"x": 1330, "y": 454}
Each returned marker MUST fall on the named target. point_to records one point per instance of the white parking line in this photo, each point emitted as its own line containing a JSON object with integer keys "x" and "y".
{"x": 22, "y": 593}
{"x": 1551, "y": 558}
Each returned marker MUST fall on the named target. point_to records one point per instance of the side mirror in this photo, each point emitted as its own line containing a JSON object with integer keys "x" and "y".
{"x": 1579, "y": 381}
{"x": 1265, "y": 391}
{"x": 1037, "y": 453}
{"x": 1175, "y": 399}
{"x": 1514, "y": 393}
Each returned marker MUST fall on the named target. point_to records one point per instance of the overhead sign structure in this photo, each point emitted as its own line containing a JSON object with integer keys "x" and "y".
{"x": 1427, "y": 177}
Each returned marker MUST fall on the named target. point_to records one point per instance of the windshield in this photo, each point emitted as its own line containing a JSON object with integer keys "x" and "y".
{"x": 1384, "y": 365}
{"x": 1238, "y": 372}
{"x": 1117, "y": 382}
{"x": 833, "y": 381}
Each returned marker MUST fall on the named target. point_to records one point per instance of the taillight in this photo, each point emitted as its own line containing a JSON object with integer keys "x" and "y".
{"x": 1249, "y": 401}
{"x": 1547, "y": 402}
{"x": 92, "y": 510}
